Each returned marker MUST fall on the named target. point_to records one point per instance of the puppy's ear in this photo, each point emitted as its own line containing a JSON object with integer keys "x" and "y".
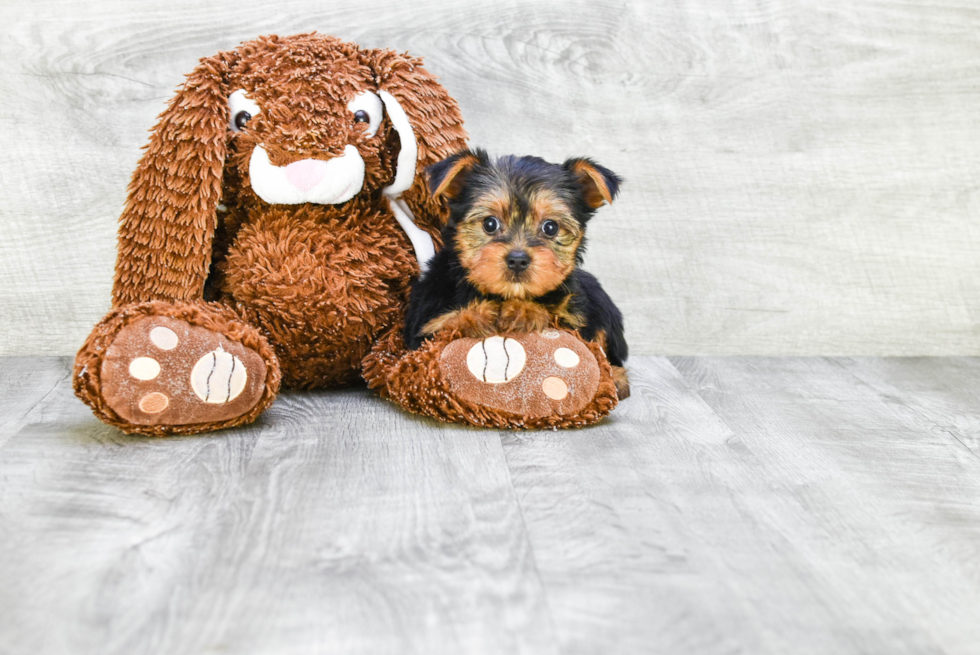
{"x": 167, "y": 226}
{"x": 448, "y": 177}
{"x": 599, "y": 184}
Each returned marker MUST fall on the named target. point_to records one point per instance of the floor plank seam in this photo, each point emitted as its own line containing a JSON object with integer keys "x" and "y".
{"x": 25, "y": 417}
{"x": 839, "y": 362}
{"x": 530, "y": 547}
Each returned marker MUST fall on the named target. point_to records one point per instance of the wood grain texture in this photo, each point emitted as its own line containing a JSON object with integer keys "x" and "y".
{"x": 800, "y": 176}
{"x": 335, "y": 524}
{"x": 730, "y": 505}
{"x": 616, "y": 514}
{"x": 752, "y": 505}
{"x": 867, "y": 512}
{"x": 21, "y": 401}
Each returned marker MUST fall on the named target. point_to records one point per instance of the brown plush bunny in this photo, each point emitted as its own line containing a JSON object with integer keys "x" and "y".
{"x": 268, "y": 232}
{"x": 271, "y": 231}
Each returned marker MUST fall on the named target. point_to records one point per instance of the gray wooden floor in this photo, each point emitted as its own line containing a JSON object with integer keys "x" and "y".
{"x": 732, "y": 505}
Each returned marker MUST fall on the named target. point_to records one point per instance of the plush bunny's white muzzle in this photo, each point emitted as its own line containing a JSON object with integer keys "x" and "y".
{"x": 337, "y": 180}
{"x": 324, "y": 182}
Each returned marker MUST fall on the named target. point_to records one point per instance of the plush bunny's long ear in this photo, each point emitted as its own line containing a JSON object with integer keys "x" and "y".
{"x": 408, "y": 151}
{"x": 429, "y": 128}
{"x": 168, "y": 223}
{"x": 405, "y": 166}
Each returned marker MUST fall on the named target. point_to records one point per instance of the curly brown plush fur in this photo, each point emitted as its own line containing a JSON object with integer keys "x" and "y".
{"x": 220, "y": 294}
{"x": 320, "y": 281}
{"x": 88, "y": 364}
{"x": 167, "y": 243}
{"x": 418, "y": 381}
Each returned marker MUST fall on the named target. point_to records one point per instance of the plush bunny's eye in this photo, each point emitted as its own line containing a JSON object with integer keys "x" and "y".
{"x": 366, "y": 108}
{"x": 241, "y": 109}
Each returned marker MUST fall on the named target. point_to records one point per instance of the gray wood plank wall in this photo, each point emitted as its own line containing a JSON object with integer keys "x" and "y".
{"x": 801, "y": 175}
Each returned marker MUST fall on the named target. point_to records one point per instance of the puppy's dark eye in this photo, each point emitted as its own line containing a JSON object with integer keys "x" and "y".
{"x": 490, "y": 224}
{"x": 361, "y": 116}
{"x": 241, "y": 118}
{"x": 550, "y": 228}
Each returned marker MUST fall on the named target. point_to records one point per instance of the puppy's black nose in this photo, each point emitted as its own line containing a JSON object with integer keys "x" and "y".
{"x": 518, "y": 261}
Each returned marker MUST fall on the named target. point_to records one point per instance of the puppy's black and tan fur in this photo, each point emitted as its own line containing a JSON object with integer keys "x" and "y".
{"x": 512, "y": 248}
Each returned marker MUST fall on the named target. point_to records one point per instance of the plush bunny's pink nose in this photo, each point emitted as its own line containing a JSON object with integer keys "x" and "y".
{"x": 305, "y": 173}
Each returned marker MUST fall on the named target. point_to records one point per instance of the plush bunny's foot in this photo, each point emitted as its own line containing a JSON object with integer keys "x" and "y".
{"x": 165, "y": 374}
{"x": 164, "y": 371}
{"x": 515, "y": 380}
{"x": 532, "y": 374}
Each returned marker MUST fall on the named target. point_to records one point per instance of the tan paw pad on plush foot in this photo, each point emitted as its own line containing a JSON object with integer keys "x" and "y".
{"x": 164, "y": 371}
{"x": 532, "y": 375}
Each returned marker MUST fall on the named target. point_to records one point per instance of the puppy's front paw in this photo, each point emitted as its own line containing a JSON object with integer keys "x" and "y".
{"x": 523, "y": 316}
{"x": 622, "y": 381}
{"x": 476, "y": 320}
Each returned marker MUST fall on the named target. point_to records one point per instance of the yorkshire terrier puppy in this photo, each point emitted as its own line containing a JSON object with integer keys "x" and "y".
{"x": 512, "y": 248}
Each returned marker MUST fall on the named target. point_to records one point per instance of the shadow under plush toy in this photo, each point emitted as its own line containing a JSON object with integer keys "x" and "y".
{"x": 270, "y": 236}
